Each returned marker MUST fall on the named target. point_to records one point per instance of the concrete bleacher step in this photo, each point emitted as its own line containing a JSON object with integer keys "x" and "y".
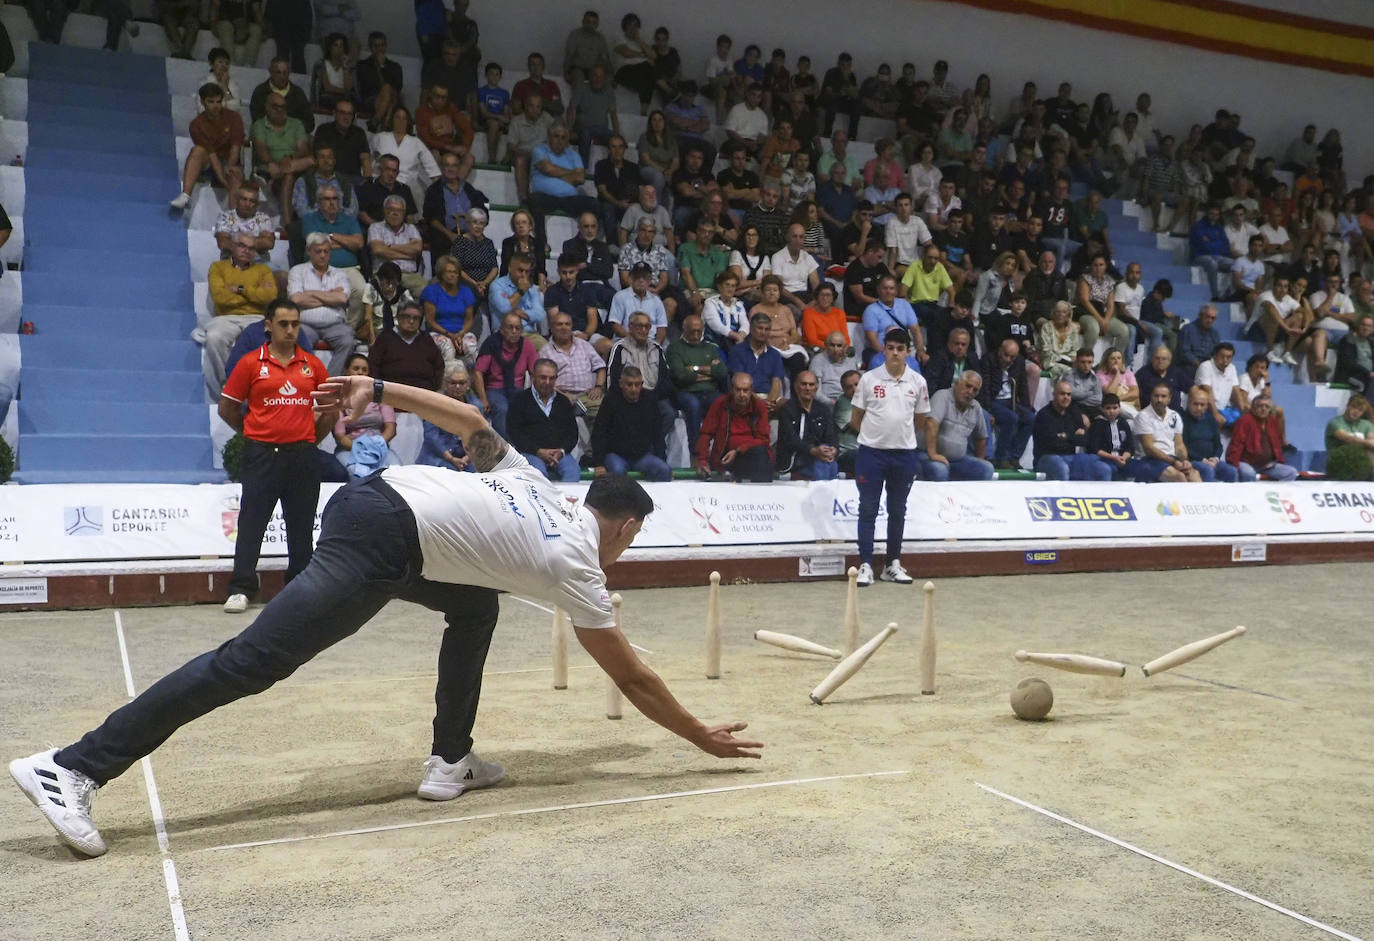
{"x": 160, "y": 475}
{"x": 134, "y": 71}
{"x": 112, "y": 291}
{"x": 61, "y": 348}
{"x": 130, "y": 322}
{"x": 114, "y": 385}
{"x": 135, "y": 452}
{"x": 98, "y": 120}
{"x": 97, "y": 417}
{"x": 107, "y": 228}
{"x": 45, "y": 92}
{"x": 45, "y": 159}
{"x": 150, "y": 186}
{"x": 50, "y": 258}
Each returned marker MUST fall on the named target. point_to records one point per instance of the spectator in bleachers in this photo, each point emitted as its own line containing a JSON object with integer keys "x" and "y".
{"x": 719, "y": 75}
{"x": 1007, "y": 400}
{"x": 1252, "y": 382}
{"x": 1218, "y": 375}
{"x": 862, "y": 278}
{"x": 847, "y": 432}
{"x": 835, "y": 359}
{"x": 724, "y": 314}
{"x": 762, "y": 361}
{"x": 749, "y": 263}
{"x": 995, "y": 286}
{"x": 345, "y": 237}
{"x": 416, "y": 166}
{"x": 641, "y": 258}
{"x": 725, "y": 233}
{"x": 216, "y": 145}
{"x": 837, "y": 195}
{"x": 738, "y": 184}
{"x": 305, "y": 194}
{"x": 447, "y": 66}
{"x": 596, "y": 267}
{"x": 245, "y": 217}
{"x": 688, "y": 122}
{"x": 575, "y": 298}
{"x": 352, "y": 150}
{"x": 747, "y": 125}
{"x": 638, "y": 350}
{"x": 542, "y": 426}
{"x": 556, "y": 177}
{"x": 955, "y": 255}
{"x": 647, "y": 207}
{"x": 525, "y": 240}
{"x": 734, "y": 435}
{"x": 1197, "y": 339}
{"x": 1044, "y": 286}
{"x": 237, "y": 25}
{"x": 1087, "y": 388}
{"x": 1161, "y": 368}
{"x": 632, "y": 62}
{"x": 927, "y": 284}
{"x": 1287, "y": 324}
{"x": 840, "y": 95}
{"x": 1111, "y": 441}
{"x": 808, "y": 443}
{"x": 382, "y": 298}
{"x": 592, "y": 114}
{"x": 339, "y": 16}
{"x": 517, "y": 293}
{"x": 700, "y": 263}
{"x": 953, "y": 443}
{"x": 821, "y": 317}
{"x": 1352, "y": 426}
{"x": 380, "y": 83}
{"x": 769, "y": 218}
{"x": 1355, "y": 355}
{"x": 440, "y": 448}
{"x": 667, "y": 65}
{"x": 904, "y": 235}
{"x": 1060, "y": 429}
{"x": 858, "y": 231}
{"x": 585, "y": 49}
{"x": 219, "y": 75}
{"x": 814, "y": 239}
{"x": 1249, "y": 278}
{"x": 374, "y": 192}
{"x": 581, "y": 369}
{"x": 690, "y": 183}
{"x": 659, "y": 153}
{"x": 1058, "y": 341}
{"x": 1239, "y": 230}
{"x": 504, "y": 359}
{"x": 448, "y": 200}
{"x": 396, "y": 240}
{"x": 181, "y": 23}
{"x": 1202, "y": 438}
{"x": 627, "y": 434}
{"x": 1117, "y": 379}
{"x": 528, "y": 130}
{"x": 332, "y": 80}
{"x": 795, "y": 268}
{"x": 1097, "y": 307}
{"x": 240, "y": 288}
{"x": 1015, "y": 323}
{"x": 1278, "y": 244}
{"x": 878, "y": 96}
{"x": 617, "y": 187}
{"x": 1159, "y": 440}
{"x": 1209, "y": 247}
{"x": 783, "y": 334}
{"x": 798, "y": 183}
{"x": 322, "y": 292}
{"x": 776, "y": 154}
{"x": 296, "y": 101}
{"x": 291, "y": 22}
{"x": 407, "y": 355}
{"x": 697, "y": 369}
{"x": 281, "y": 150}
{"x": 1256, "y": 448}
{"x": 444, "y": 128}
{"x": 951, "y": 360}
{"x": 536, "y": 83}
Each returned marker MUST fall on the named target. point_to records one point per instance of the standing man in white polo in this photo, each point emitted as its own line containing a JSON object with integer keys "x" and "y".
{"x": 891, "y": 405}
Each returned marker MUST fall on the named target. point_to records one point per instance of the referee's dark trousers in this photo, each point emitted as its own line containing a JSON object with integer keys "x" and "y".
{"x": 268, "y": 473}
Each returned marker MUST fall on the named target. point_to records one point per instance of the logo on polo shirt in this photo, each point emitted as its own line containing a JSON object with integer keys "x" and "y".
{"x": 263, "y": 371}
{"x": 1080, "y": 509}
{"x": 305, "y": 370}
{"x": 287, "y": 388}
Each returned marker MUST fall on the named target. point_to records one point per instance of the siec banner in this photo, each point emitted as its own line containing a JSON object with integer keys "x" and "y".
{"x": 129, "y": 521}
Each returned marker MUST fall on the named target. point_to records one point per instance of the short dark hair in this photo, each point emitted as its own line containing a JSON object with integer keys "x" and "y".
{"x": 1110, "y": 398}
{"x": 388, "y": 270}
{"x": 1257, "y": 358}
{"x": 568, "y": 260}
{"x": 897, "y": 335}
{"x": 278, "y": 303}
{"x": 493, "y": 65}
{"x": 1083, "y": 351}
{"x": 1223, "y": 345}
{"x": 724, "y": 38}
{"x": 374, "y": 35}
{"x": 1164, "y": 288}
{"x": 210, "y": 90}
{"x": 219, "y": 52}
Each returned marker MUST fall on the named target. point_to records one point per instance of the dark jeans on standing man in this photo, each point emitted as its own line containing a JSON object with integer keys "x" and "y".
{"x": 369, "y": 553}
{"x": 268, "y": 473}
{"x": 874, "y": 469}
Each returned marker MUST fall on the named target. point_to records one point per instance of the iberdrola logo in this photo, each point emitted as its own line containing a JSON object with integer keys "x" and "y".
{"x": 1168, "y": 509}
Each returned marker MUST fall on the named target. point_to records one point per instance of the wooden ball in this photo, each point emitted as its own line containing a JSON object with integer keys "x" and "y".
{"x": 1032, "y": 699}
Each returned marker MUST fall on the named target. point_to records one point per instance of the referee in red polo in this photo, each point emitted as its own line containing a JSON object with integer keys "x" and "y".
{"x": 280, "y": 433}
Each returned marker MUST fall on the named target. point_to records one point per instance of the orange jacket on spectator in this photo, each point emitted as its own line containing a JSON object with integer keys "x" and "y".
{"x": 721, "y": 421}
{"x": 1245, "y": 441}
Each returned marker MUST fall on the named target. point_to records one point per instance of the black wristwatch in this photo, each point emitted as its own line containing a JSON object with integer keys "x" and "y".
{"x": 377, "y": 386}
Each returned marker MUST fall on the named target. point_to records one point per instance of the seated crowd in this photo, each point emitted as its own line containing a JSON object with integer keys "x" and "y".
{"x": 742, "y": 277}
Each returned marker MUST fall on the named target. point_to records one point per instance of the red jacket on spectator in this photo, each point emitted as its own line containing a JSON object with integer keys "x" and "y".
{"x": 1246, "y": 441}
{"x": 723, "y": 430}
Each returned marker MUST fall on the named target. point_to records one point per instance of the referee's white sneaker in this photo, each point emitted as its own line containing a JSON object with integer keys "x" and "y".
{"x": 63, "y": 796}
{"x": 444, "y": 781}
{"x": 236, "y": 604}
{"x": 893, "y": 572}
{"x": 865, "y": 575}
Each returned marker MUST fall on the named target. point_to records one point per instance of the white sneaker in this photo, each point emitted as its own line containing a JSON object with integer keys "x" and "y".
{"x": 444, "y": 781}
{"x": 893, "y": 572}
{"x": 63, "y": 796}
{"x": 1274, "y": 356}
{"x": 865, "y": 575}
{"x": 182, "y": 201}
{"x": 237, "y": 604}
{"x": 1290, "y": 359}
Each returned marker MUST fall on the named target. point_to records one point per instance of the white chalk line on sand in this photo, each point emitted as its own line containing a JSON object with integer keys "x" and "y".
{"x": 556, "y": 808}
{"x": 1274, "y": 906}
{"x": 169, "y": 869}
{"x": 547, "y": 610}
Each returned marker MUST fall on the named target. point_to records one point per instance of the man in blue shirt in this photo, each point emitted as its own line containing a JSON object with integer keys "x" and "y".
{"x": 635, "y": 298}
{"x": 556, "y": 176}
{"x": 1211, "y": 250}
{"x": 760, "y": 361}
{"x": 517, "y": 292}
{"x": 346, "y": 240}
{"x": 1197, "y": 339}
{"x": 890, "y": 311}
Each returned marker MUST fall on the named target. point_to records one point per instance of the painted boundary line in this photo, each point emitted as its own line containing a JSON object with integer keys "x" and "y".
{"x": 169, "y": 869}
{"x": 546, "y": 610}
{"x": 1274, "y": 906}
{"x": 557, "y": 808}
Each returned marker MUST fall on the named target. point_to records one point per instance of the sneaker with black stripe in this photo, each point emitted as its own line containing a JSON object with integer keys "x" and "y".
{"x": 444, "y": 781}
{"x": 63, "y": 796}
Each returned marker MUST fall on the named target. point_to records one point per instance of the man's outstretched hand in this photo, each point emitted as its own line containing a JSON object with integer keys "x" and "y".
{"x": 347, "y": 394}
{"x": 720, "y": 741}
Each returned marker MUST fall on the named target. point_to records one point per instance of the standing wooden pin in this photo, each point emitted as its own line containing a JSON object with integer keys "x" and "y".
{"x": 560, "y": 650}
{"x": 850, "y": 665}
{"x": 713, "y": 629}
{"x": 928, "y": 643}
{"x": 613, "y": 702}
{"x": 851, "y": 613}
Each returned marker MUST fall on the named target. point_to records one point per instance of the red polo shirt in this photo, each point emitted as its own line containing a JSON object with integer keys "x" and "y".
{"x": 278, "y": 397}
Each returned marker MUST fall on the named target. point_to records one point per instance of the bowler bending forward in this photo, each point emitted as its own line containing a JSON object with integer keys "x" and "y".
{"x": 447, "y": 541}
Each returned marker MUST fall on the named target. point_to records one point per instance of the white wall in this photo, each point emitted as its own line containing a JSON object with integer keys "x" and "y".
{"x": 1187, "y": 84}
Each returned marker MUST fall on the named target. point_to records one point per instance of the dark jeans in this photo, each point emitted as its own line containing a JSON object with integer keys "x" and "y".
{"x": 851, "y": 108}
{"x": 694, "y": 406}
{"x": 754, "y": 465}
{"x": 368, "y": 554}
{"x": 874, "y": 469}
{"x": 1014, "y": 426}
{"x": 271, "y": 472}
